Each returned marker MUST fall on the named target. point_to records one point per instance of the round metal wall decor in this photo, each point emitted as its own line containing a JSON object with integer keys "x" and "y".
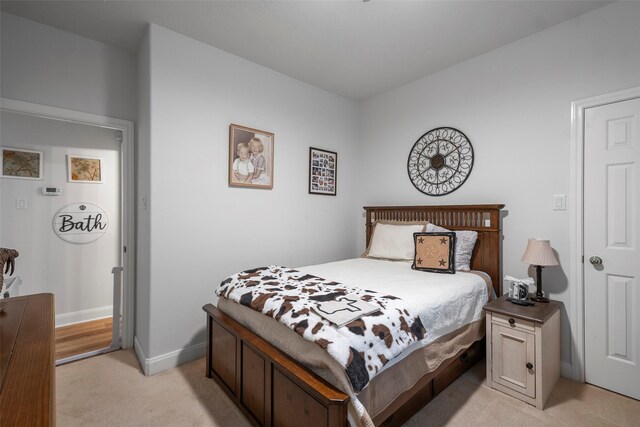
{"x": 440, "y": 161}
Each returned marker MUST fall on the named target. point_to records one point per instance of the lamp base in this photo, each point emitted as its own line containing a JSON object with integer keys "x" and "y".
{"x": 539, "y": 299}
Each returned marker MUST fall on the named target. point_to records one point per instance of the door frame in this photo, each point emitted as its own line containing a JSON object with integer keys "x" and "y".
{"x": 126, "y": 197}
{"x": 576, "y": 227}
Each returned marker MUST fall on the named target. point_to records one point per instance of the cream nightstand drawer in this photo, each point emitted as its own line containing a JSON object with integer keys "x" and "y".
{"x": 513, "y": 322}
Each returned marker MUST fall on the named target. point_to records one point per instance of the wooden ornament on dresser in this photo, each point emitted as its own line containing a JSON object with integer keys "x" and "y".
{"x": 7, "y": 264}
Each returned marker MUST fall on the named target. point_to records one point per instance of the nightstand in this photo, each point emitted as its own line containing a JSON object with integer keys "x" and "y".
{"x": 523, "y": 349}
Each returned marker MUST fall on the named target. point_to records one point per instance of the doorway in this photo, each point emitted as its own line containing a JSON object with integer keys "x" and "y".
{"x": 73, "y": 225}
{"x": 606, "y": 149}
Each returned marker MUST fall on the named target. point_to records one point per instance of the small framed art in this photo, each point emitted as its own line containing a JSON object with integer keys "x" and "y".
{"x": 250, "y": 157}
{"x": 19, "y": 163}
{"x": 84, "y": 169}
{"x": 323, "y": 171}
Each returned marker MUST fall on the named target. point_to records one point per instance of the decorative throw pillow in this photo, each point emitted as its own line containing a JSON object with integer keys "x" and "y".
{"x": 465, "y": 241}
{"x": 435, "y": 252}
{"x": 392, "y": 222}
{"x": 393, "y": 242}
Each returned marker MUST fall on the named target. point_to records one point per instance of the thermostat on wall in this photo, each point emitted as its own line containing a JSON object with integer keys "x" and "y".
{"x": 51, "y": 191}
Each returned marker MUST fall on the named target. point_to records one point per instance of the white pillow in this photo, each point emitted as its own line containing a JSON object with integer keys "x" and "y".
{"x": 390, "y": 241}
{"x": 465, "y": 241}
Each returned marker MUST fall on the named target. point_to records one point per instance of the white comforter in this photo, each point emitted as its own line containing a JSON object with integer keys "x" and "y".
{"x": 444, "y": 302}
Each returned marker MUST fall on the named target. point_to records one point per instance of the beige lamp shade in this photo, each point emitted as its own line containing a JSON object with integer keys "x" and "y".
{"x": 539, "y": 252}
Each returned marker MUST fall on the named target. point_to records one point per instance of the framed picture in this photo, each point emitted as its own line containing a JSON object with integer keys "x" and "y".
{"x": 84, "y": 169}
{"x": 18, "y": 163}
{"x": 250, "y": 157}
{"x": 323, "y": 172}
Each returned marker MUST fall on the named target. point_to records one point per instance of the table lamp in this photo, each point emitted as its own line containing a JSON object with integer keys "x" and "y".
{"x": 540, "y": 255}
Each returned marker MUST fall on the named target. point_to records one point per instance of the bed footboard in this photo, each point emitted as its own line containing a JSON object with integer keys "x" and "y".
{"x": 268, "y": 386}
{"x": 272, "y": 389}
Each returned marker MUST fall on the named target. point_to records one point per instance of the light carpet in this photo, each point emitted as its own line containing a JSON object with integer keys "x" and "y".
{"x": 111, "y": 390}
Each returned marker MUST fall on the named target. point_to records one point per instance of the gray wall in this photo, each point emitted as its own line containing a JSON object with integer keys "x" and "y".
{"x": 143, "y": 185}
{"x": 514, "y": 104}
{"x": 201, "y": 230}
{"x": 44, "y": 65}
{"x": 79, "y": 275}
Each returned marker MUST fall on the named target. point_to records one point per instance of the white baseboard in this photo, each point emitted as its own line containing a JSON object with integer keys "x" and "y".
{"x": 142, "y": 357}
{"x": 84, "y": 315}
{"x": 155, "y": 365}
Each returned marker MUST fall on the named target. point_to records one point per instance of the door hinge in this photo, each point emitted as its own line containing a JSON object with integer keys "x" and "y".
{"x": 124, "y": 248}
{"x": 583, "y": 259}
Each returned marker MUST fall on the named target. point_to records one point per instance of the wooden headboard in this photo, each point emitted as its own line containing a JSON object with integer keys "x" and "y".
{"x": 485, "y": 219}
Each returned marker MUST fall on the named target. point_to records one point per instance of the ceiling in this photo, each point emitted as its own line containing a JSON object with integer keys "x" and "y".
{"x": 352, "y": 48}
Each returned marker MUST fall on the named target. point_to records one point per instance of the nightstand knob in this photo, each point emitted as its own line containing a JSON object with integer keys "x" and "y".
{"x": 529, "y": 365}
{"x": 512, "y": 322}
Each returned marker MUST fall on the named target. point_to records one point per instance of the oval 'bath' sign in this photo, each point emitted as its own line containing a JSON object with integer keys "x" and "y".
{"x": 80, "y": 223}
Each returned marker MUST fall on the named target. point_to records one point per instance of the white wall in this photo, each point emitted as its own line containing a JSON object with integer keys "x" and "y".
{"x": 78, "y": 275}
{"x": 201, "y": 229}
{"x": 44, "y": 65}
{"x": 143, "y": 177}
{"x": 514, "y": 105}
{"x": 47, "y": 66}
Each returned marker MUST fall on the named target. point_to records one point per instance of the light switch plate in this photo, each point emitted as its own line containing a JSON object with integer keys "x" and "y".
{"x": 21, "y": 203}
{"x": 559, "y": 202}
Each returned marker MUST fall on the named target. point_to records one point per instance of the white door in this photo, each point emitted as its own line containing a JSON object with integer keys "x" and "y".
{"x": 611, "y": 255}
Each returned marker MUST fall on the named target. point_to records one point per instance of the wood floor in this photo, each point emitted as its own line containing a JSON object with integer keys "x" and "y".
{"x": 83, "y": 337}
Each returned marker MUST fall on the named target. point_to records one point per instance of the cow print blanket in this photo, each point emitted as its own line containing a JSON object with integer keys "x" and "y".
{"x": 362, "y": 347}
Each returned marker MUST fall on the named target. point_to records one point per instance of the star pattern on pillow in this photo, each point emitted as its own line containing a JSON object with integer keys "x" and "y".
{"x": 434, "y": 252}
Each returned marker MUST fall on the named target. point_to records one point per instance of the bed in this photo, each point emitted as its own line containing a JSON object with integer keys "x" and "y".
{"x": 255, "y": 361}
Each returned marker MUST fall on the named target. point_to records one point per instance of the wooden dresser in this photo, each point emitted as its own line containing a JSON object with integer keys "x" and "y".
{"x": 27, "y": 361}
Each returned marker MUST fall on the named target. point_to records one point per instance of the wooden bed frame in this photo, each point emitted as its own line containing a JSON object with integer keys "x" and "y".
{"x": 272, "y": 389}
